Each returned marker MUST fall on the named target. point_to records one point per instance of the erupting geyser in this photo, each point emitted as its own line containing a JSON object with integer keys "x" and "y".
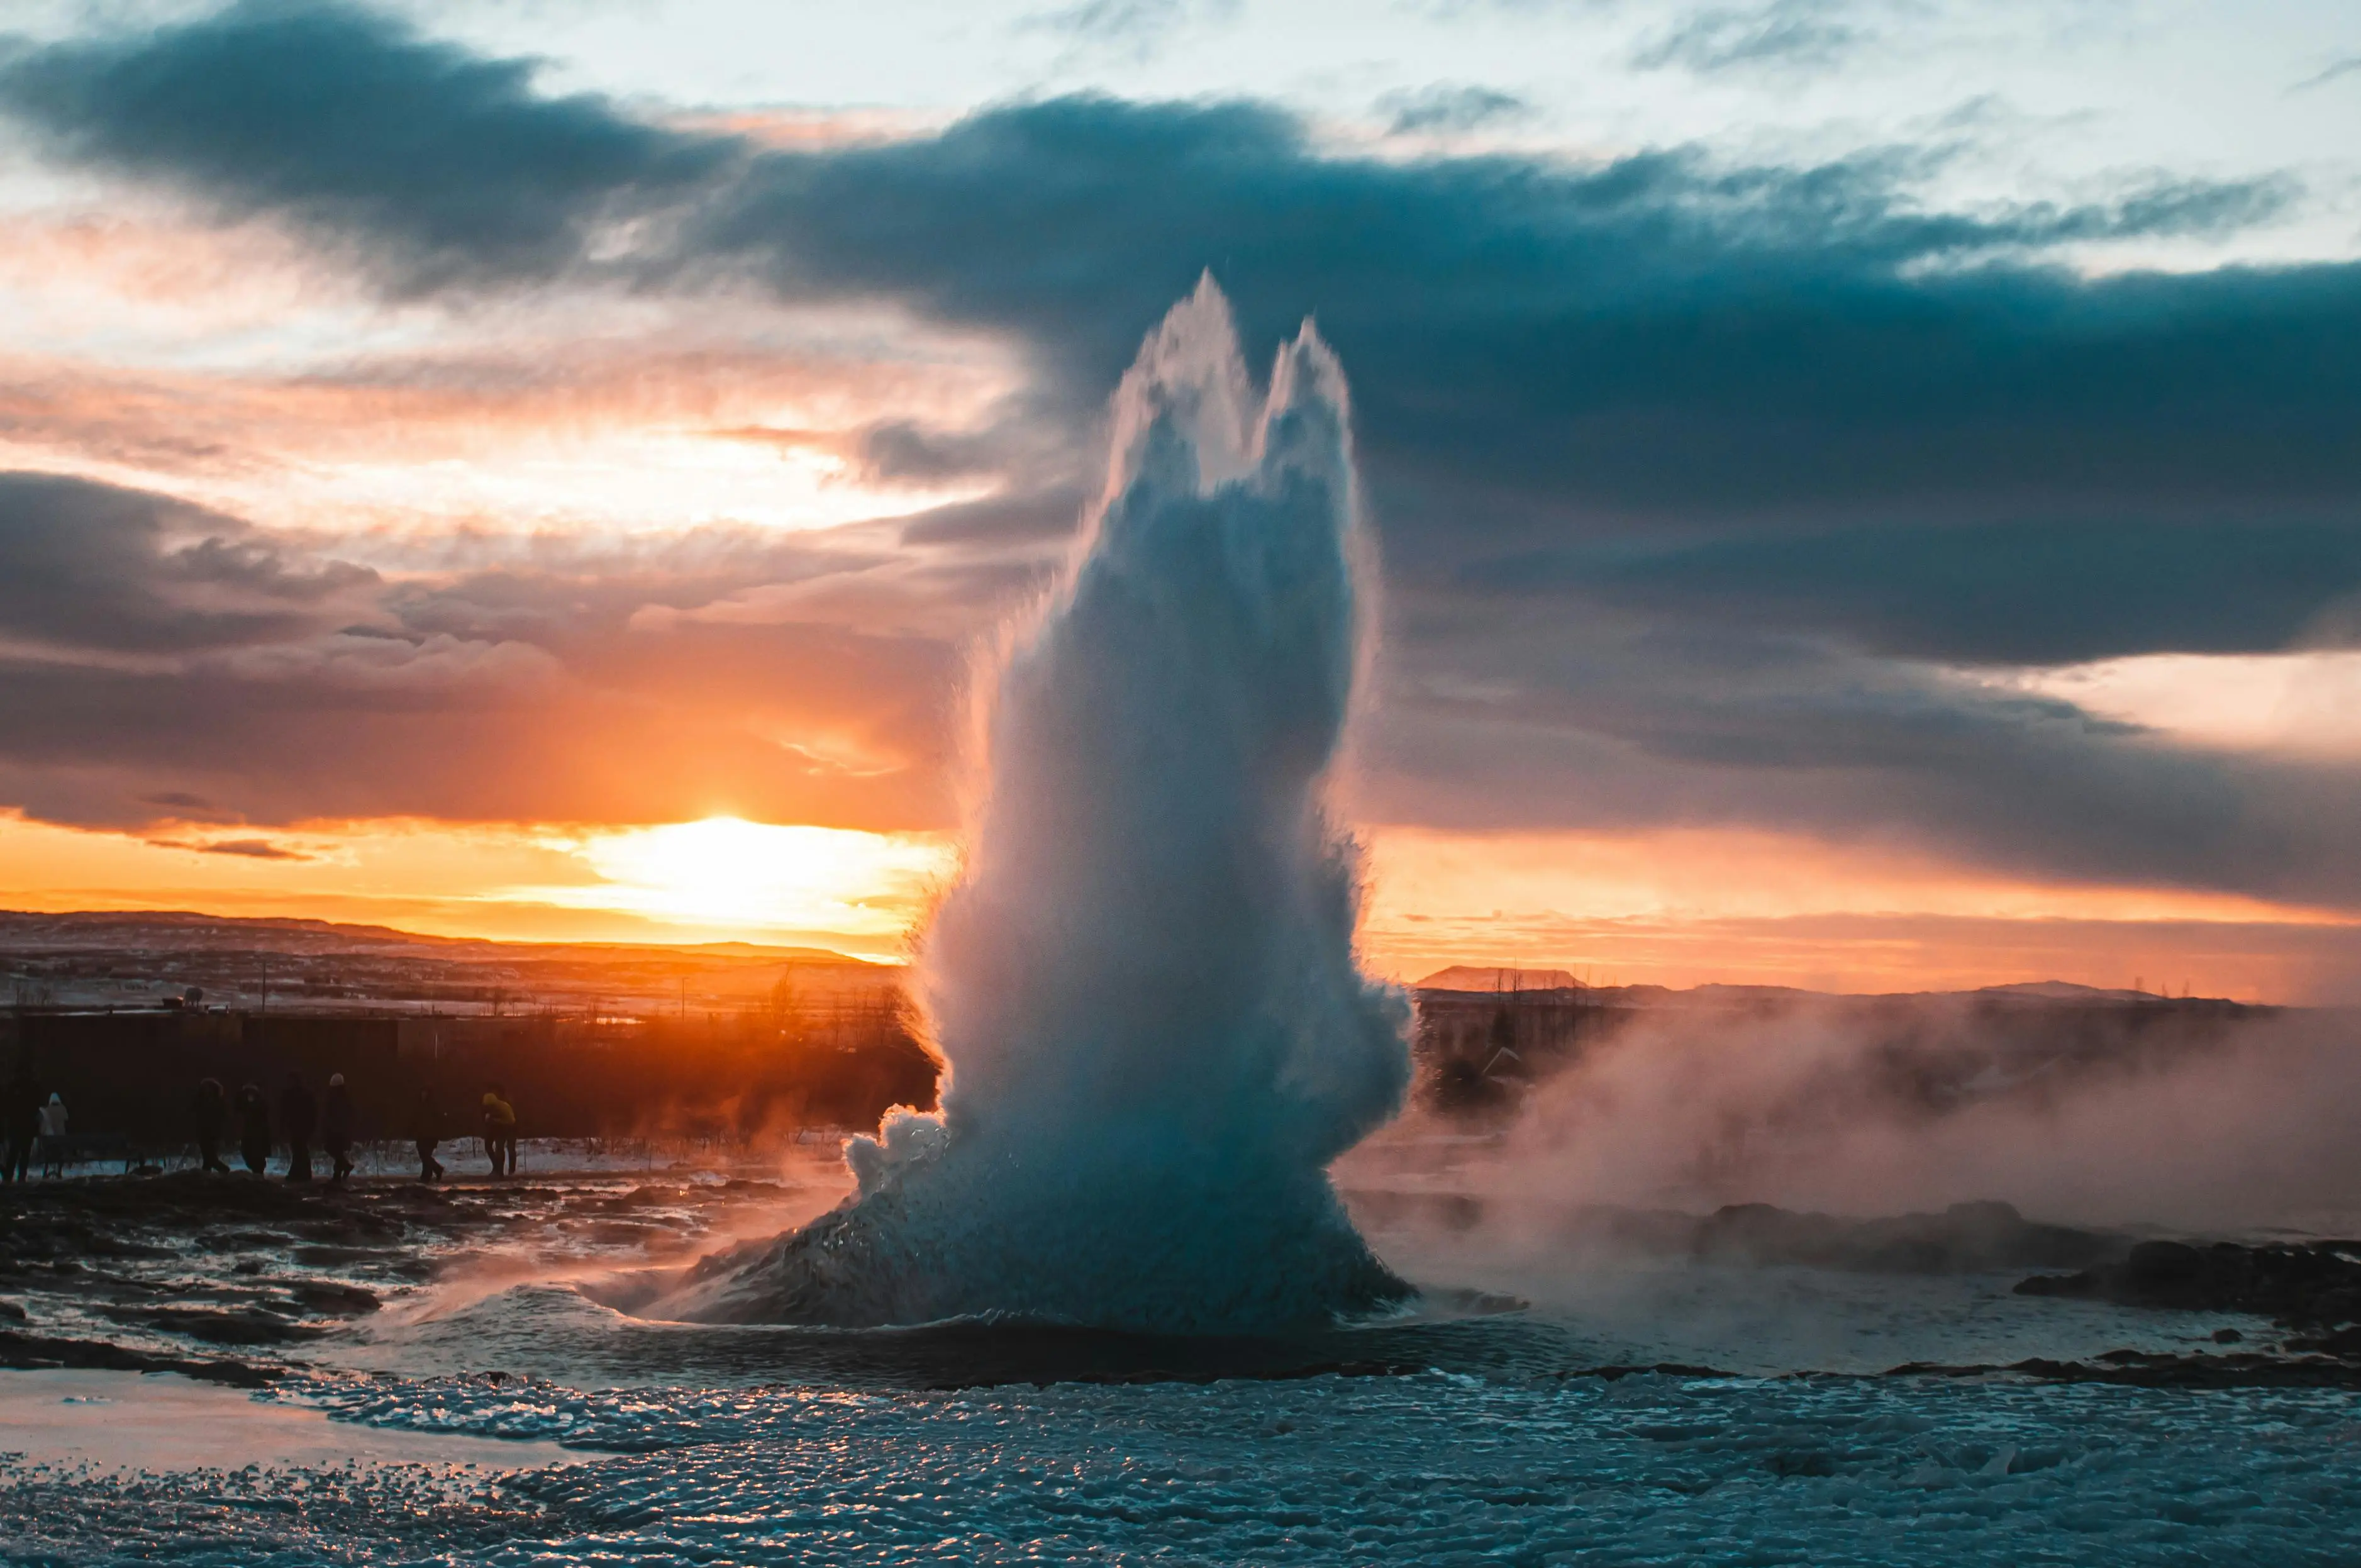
{"x": 1144, "y": 980}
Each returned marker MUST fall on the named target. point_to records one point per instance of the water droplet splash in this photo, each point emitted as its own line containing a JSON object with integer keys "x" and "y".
{"x": 1144, "y": 978}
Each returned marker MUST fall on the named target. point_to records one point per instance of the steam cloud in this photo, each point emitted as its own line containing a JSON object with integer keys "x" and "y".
{"x": 1144, "y": 980}
{"x": 2243, "y": 1127}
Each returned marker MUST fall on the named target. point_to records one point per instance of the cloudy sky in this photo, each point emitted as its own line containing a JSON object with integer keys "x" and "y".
{"x": 1867, "y": 487}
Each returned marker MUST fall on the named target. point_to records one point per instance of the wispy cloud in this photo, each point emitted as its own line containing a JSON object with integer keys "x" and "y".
{"x": 1795, "y": 35}
{"x": 2335, "y": 73}
{"x": 1449, "y": 108}
{"x": 245, "y": 849}
{"x": 493, "y": 180}
{"x": 1134, "y": 27}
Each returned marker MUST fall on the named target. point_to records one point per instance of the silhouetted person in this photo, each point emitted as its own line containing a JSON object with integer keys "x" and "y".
{"x": 500, "y": 1131}
{"x": 20, "y": 1119}
{"x": 299, "y": 1118}
{"x": 254, "y": 1129}
{"x": 337, "y": 1127}
{"x": 426, "y": 1131}
{"x": 212, "y": 1117}
{"x": 53, "y": 1137}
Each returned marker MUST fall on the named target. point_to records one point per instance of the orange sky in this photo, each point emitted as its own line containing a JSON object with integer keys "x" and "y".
{"x": 1676, "y": 909}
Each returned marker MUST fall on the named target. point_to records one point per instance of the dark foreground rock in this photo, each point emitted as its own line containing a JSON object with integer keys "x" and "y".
{"x": 230, "y": 1279}
{"x": 25, "y": 1351}
{"x": 2143, "y": 1369}
{"x": 1966, "y": 1238}
{"x": 2299, "y": 1286}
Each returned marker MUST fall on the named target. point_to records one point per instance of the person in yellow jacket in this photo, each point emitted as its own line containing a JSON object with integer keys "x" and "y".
{"x": 500, "y": 1131}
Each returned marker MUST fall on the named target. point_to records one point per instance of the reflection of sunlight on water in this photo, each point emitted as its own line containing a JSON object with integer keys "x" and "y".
{"x": 125, "y": 1421}
{"x": 587, "y": 1253}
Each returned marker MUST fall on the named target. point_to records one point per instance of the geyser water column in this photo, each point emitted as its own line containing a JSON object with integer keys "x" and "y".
{"x": 1144, "y": 979}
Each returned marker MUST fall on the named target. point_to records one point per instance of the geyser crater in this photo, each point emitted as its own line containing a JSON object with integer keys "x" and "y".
{"x": 1143, "y": 979}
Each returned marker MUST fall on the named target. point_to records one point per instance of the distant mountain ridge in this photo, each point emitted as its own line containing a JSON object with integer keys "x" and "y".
{"x": 1476, "y": 980}
{"x": 1466, "y": 977}
{"x": 190, "y": 928}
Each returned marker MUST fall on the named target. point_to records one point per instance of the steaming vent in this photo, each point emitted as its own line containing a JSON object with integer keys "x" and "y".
{"x": 1144, "y": 979}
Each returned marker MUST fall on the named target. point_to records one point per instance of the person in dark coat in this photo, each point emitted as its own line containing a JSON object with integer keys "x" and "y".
{"x": 20, "y": 1120}
{"x": 253, "y": 1128}
{"x": 426, "y": 1131}
{"x": 299, "y": 1118}
{"x": 212, "y": 1119}
{"x": 500, "y": 1131}
{"x": 337, "y": 1127}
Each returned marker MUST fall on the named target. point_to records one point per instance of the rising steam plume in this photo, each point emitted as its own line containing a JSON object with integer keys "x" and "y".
{"x": 1144, "y": 979}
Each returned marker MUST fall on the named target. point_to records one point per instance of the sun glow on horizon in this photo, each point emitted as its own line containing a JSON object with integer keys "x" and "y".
{"x": 1668, "y": 907}
{"x": 725, "y": 872}
{"x": 721, "y": 879}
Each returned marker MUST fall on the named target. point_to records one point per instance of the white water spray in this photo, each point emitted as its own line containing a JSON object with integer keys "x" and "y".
{"x": 1143, "y": 981}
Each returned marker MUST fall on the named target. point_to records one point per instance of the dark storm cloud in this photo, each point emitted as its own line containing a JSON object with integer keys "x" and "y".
{"x": 435, "y": 165}
{"x": 2031, "y": 592}
{"x": 1661, "y": 337}
{"x": 87, "y": 566}
{"x": 1681, "y": 467}
{"x": 1541, "y": 719}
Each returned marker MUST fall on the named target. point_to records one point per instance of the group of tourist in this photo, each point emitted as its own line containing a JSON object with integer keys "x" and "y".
{"x": 33, "y": 1127}
{"x": 300, "y": 1120}
{"x": 333, "y": 1122}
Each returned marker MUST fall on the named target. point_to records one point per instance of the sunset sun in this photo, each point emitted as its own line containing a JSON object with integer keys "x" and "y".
{"x": 726, "y": 873}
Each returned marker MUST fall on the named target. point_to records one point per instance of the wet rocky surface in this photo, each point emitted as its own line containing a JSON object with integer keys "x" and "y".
{"x": 1965, "y": 1238}
{"x": 240, "y": 1280}
{"x": 2312, "y": 1285}
{"x": 404, "y": 1315}
{"x": 232, "y": 1278}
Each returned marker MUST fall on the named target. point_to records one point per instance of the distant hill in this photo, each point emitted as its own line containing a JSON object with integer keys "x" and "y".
{"x": 153, "y": 929}
{"x": 1479, "y": 980}
{"x": 134, "y": 958}
{"x": 2067, "y": 991}
{"x": 1463, "y": 977}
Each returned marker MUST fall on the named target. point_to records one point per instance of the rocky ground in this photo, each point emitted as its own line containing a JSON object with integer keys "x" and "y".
{"x": 1484, "y": 1435}
{"x": 2312, "y": 1291}
{"x": 228, "y": 1278}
